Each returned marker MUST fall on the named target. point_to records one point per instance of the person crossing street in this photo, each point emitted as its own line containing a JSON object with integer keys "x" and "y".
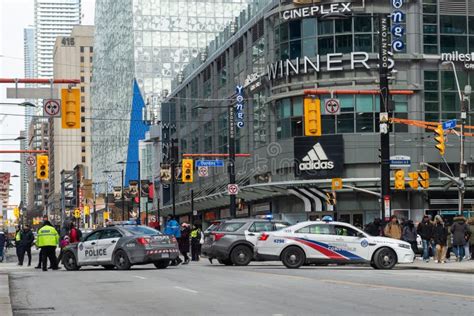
{"x": 48, "y": 239}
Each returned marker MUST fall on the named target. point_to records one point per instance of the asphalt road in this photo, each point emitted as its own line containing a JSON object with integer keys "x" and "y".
{"x": 258, "y": 289}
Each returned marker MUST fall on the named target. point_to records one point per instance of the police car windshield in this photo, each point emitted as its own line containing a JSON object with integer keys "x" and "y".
{"x": 141, "y": 230}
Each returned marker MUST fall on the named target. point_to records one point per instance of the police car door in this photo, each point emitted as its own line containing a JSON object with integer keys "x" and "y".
{"x": 316, "y": 239}
{"x": 107, "y": 243}
{"x": 350, "y": 243}
{"x": 86, "y": 250}
{"x": 256, "y": 229}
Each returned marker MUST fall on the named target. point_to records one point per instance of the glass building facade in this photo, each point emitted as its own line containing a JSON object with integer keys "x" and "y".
{"x": 140, "y": 45}
{"x": 275, "y": 59}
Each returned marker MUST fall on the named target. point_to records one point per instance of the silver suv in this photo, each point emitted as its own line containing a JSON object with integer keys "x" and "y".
{"x": 233, "y": 241}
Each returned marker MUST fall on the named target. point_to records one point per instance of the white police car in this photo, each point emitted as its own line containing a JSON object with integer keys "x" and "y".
{"x": 327, "y": 241}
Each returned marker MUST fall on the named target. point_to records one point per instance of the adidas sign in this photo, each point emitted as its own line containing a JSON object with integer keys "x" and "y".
{"x": 316, "y": 159}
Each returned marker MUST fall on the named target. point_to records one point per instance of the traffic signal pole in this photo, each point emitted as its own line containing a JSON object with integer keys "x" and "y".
{"x": 386, "y": 108}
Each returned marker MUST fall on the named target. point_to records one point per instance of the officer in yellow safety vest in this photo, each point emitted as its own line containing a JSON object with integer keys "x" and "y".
{"x": 18, "y": 246}
{"x": 47, "y": 240}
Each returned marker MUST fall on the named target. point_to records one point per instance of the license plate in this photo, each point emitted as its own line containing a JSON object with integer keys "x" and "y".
{"x": 165, "y": 255}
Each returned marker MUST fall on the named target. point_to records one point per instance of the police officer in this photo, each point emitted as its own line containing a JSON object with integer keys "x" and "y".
{"x": 18, "y": 245}
{"x": 47, "y": 240}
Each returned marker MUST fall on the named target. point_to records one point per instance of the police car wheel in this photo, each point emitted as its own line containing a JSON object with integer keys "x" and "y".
{"x": 162, "y": 264}
{"x": 385, "y": 258}
{"x": 108, "y": 266}
{"x": 121, "y": 260}
{"x": 293, "y": 257}
{"x": 227, "y": 262}
{"x": 241, "y": 255}
{"x": 69, "y": 262}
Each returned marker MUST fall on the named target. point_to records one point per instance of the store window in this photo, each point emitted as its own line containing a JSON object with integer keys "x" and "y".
{"x": 289, "y": 117}
{"x": 208, "y": 132}
{"x": 259, "y": 120}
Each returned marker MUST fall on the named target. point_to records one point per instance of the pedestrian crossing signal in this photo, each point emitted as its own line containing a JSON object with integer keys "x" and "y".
{"x": 187, "y": 170}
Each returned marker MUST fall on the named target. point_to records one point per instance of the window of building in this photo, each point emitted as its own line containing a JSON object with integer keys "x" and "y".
{"x": 289, "y": 117}
{"x": 83, "y": 119}
{"x": 259, "y": 120}
{"x": 82, "y": 49}
{"x": 82, "y": 59}
{"x": 83, "y": 159}
{"x": 83, "y": 149}
{"x": 208, "y": 132}
{"x": 82, "y": 78}
{"x": 83, "y": 109}
{"x": 82, "y": 89}
{"x": 222, "y": 126}
{"x": 83, "y": 99}
{"x": 83, "y": 129}
{"x": 91, "y": 49}
{"x": 90, "y": 59}
{"x": 83, "y": 139}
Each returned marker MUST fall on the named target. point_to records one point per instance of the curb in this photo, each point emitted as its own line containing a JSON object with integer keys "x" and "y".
{"x": 466, "y": 271}
{"x": 5, "y": 302}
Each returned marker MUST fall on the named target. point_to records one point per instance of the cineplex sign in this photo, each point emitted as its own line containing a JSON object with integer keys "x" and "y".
{"x": 316, "y": 10}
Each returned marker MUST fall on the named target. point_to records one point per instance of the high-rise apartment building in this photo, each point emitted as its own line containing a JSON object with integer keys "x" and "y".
{"x": 53, "y": 18}
{"x": 140, "y": 46}
{"x": 73, "y": 57}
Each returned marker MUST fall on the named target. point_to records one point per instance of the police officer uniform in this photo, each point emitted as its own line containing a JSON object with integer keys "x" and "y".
{"x": 47, "y": 240}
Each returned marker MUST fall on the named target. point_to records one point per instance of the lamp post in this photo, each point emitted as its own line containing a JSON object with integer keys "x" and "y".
{"x": 122, "y": 197}
{"x": 464, "y": 99}
{"x": 231, "y": 150}
{"x": 139, "y": 186}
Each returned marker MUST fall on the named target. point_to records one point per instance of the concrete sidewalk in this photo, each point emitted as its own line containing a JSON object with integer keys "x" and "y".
{"x": 5, "y": 302}
{"x": 466, "y": 266}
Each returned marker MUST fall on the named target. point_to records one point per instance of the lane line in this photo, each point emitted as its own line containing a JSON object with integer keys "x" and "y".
{"x": 139, "y": 277}
{"x": 402, "y": 289}
{"x": 186, "y": 290}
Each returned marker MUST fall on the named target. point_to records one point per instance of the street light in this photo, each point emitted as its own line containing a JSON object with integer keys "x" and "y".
{"x": 12, "y": 161}
{"x": 7, "y": 139}
{"x": 139, "y": 186}
{"x": 231, "y": 149}
{"x": 26, "y": 104}
{"x": 463, "y": 97}
{"x": 122, "y": 197}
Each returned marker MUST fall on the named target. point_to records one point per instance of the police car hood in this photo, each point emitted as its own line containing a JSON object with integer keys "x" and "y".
{"x": 386, "y": 240}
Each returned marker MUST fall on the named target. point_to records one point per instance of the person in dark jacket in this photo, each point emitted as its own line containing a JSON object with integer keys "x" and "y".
{"x": 440, "y": 238}
{"x": 3, "y": 242}
{"x": 374, "y": 228}
{"x": 459, "y": 230}
{"x": 183, "y": 241}
{"x": 18, "y": 245}
{"x": 26, "y": 243}
{"x": 425, "y": 230}
{"x": 409, "y": 234}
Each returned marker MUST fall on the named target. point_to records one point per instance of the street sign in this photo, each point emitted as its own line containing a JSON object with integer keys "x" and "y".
{"x": 332, "y": 106}
{"x": 336, "y": 184}
{"x": 52, "y": 107}
{"x": 31, "y": 161}
{"x": 399, "y": 161}
{"x": 386, "y": 202}
{"x": 449, "y": 124}
{"x": 233, "y": 189}
{"x": 210, "y": 163}
{"x": 203, "y": 171}
{"x": 109, "y": 183}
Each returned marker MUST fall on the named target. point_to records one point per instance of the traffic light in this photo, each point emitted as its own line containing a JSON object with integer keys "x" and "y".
{"x": 71, "y": 108}
{"x": 87, "y": 210}
{"x": 400, "y": 179}
{"x": 16, "y": 212}
{"x": 42, "y": 167}
{"x": 440, "y": 139}
{"x": 414, "y": 180}
{"x": 312, "y": 117}
{"x": 187, "y": 170}
{"x": 331, "y": 198}
{"x": 424, "y": 179}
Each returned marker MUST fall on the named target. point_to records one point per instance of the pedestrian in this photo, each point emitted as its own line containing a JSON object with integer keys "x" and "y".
{"x": 374, "y": 228}
{"x": 63, "y": 243}
{"x": 75, "y": 234}
{"x": 459, "y": 230}
{"x": 425, "y": 230}
{"x": 409, "y": 235}
{"x": 195, "y": 242}
{"x": 470, "y": 222}
{"x": 393, "y": 228}
{"x": 26, "y": 242}
{"x": 183, "y": 241}
{"x": 3, "y": 243}
{"x": 18, "y": 245}
{"x": 440, "y": 238}
{"x": 450, "y": 241}
{"x": 48, "y": 239}
{"x": 172, "y": 228}
{"x": 40, "y": 255}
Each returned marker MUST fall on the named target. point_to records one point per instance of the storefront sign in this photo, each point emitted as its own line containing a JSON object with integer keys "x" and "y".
{"x": 319, "y": 10}
{"x": 334, "y": 62}
{"x": 239, "y": 107}
{"x": 319, "y": 157}
{"x": 467, "y": 59}
{"x": 398, "y": 16}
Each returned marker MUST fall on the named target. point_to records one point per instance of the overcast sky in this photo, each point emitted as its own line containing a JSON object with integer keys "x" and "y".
{"x": 15, "y": 15}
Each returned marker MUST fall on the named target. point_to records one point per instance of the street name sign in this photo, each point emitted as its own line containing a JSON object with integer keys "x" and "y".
{"x": 449, "y": 124}
{"x": 400, "y": 162}
{"x": 210, "y": 163}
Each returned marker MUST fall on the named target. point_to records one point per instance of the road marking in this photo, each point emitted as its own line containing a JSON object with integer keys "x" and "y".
{"x": 469, "y": 297}
{"x": 186, "y": 290}
{"x": 139, "y": 277}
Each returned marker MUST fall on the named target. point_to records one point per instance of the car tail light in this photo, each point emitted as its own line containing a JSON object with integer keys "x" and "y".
{"x": 263, "y": 237}
{"x": 143, "y": 241}
{"x": 218, "y": 236}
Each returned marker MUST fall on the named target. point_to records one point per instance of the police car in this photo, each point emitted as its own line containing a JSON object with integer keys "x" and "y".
{"x": 121, "y": 246}
{"x": 327, "y": 241}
